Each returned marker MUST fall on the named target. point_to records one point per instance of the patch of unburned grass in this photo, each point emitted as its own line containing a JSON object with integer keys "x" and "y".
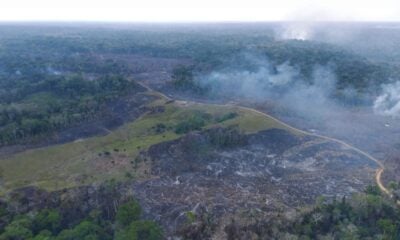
{"x": 113, "y": 156}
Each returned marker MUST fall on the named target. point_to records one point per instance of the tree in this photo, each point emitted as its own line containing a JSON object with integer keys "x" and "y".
{"x": 18, "y": 229}
{"x": 128, "y": 213}
{"x": 140, "y": 230}
{"x": 49, "y": 219}
{"x": 388, "y": 227}
{"x": 44, "y": 235}
{"x": 85, "y": 230}
{"x": 373, "y": 190}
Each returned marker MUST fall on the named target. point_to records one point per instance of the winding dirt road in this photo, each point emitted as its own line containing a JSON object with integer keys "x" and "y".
{"x": 379, "y": 171}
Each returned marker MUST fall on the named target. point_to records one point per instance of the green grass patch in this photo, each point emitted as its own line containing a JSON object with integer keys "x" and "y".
{"x": 114, "y": 156}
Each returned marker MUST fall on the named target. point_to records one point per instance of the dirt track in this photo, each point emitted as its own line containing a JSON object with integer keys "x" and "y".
{"x": 378, "y": 175}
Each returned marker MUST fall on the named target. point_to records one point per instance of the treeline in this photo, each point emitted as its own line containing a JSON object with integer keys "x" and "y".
{"x": 33, "y": 106}
{"x": 75, "y": 49}
{"x": 211, "y": 48}
{"x": 50, "y": 224}
{"x": 351, "y": 70}
{"x": 35, "y": 65}
{"x": 206, "y": 46}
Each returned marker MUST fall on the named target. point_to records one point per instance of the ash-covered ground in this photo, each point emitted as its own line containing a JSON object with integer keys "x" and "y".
{"x": 266, "y": 172}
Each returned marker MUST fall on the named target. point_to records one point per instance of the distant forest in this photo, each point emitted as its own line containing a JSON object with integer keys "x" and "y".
{"x": 52, "y": 78}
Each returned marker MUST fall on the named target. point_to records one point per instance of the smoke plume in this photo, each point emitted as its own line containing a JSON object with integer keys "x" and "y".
{"x": 283, "y": 84}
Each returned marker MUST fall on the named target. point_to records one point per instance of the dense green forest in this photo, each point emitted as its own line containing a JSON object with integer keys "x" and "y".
{"x": 210, "y": 49}
{"x": 41, "y": 104}
{"x": 52, "y": 224}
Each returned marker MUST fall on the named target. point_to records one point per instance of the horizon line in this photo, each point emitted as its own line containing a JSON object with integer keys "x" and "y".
{"x": 195, "y": 21}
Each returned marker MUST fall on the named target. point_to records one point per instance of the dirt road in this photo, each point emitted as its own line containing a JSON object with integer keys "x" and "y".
{"x": 378, "y": 175}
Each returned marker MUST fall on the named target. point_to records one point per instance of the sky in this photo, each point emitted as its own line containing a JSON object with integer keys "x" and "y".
{"x": 199, "y": 11}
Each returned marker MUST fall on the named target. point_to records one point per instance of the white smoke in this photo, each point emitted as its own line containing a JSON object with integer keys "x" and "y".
{"x": 283, "y": 83}
{"x": 255, "y": 84}
{"x": 298, "y": 31}
{"x": 388, "y": 103}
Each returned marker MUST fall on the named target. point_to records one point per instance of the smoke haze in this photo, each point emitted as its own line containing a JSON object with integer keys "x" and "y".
{"x": 388, "y": 103}
{"x": 311, "y": 104}
{"x": 307, "y": 97}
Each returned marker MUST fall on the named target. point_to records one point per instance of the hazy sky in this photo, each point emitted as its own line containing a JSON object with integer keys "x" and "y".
{"x": 200, "y": 10}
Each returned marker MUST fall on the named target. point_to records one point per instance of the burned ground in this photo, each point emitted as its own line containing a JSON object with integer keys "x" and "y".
{"x": 206, "y": 178}
{"x": 154, "y": 71}
{"x": 270, "y": 170}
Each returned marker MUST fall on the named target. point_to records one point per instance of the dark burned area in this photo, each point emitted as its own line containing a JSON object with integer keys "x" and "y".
{"x": 265, "y": 173}
{"x": 273, "y": 169}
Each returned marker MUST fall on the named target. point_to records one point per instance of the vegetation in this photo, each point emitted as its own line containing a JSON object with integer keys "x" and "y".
{"x": 130, "y": 227}
{"x": 194, "y": 121}
{"x": 50, "y": 224}
{"x": 127, "y": 213}
{"x": 367, "y": 215}
{"x": 138, "y": 230}
{"x": 31, "y": 108}
{"x": 95, "y": 159}
{"x": 347, "y": 66}
{"x": 226, "y": 137}
{"x": 226, "y": 117}
{"x": 183, "y": 80}
{"x": 34, "y": 51}
{"x": 362, "y": 216}
{"x": 52, "y": 80}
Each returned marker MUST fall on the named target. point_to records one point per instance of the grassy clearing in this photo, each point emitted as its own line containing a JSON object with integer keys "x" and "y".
{"x": 115, "y": 156}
